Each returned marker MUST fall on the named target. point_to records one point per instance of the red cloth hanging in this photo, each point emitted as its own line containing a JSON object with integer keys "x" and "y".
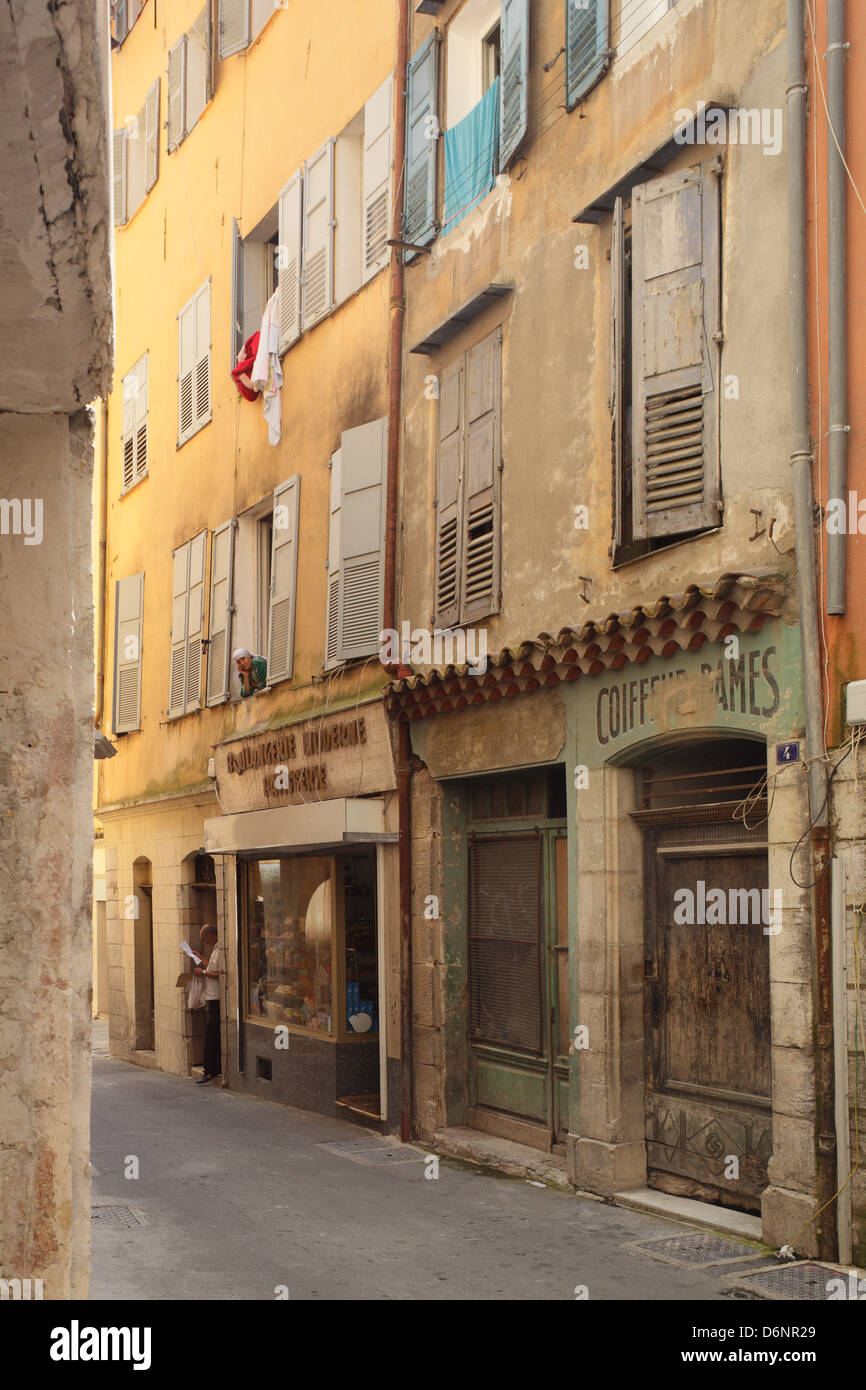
{"x": 241, "y": 373}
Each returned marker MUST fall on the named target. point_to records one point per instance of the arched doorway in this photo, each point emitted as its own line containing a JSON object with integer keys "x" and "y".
{"x": 142, "y": 886}
{"x": 708, "y": 918}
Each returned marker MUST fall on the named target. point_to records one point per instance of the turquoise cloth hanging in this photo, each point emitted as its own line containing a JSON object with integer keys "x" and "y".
{"x": 471, "y": 157}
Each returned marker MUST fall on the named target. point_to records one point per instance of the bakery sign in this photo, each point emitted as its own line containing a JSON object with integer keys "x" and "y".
{"x": 325, "y": 756}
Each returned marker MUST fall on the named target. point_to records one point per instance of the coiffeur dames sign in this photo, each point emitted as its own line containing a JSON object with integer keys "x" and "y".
{"x": 321, "y": 757}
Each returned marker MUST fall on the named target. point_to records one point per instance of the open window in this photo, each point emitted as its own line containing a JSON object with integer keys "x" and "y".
{"x": 362, "y": 193}
{"x": 124, "y": 13}
{"x": 255, "y": 277}
{"x": 666, "y": 359}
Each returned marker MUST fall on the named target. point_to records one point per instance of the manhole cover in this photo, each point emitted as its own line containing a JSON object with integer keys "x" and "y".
{"x": 118, "y": 1217}
{"x": 696, "y": 1249}
{"x": 374, "y": 1150}
{"x": 806, "y": 1280}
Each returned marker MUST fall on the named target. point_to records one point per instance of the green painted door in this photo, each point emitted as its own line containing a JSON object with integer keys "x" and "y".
{"x": 518, "y": 984}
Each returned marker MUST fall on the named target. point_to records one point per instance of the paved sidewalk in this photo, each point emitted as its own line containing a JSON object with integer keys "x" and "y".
{"x": 237, "y": 1197}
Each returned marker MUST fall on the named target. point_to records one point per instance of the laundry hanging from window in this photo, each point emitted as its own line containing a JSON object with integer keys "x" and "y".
{"x": 267, "y": 374}
{"x": 471, "y": 157}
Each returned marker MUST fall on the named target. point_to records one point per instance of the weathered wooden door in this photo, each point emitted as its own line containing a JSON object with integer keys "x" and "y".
{"x": 709, "y": 1125}
{"x": 518, "y": 986}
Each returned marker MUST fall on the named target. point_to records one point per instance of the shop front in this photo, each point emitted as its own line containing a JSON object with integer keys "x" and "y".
{"x": 308, "y": 837}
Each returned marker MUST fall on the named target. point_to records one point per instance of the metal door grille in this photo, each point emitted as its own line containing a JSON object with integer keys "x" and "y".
{"x": 505, "y": 957}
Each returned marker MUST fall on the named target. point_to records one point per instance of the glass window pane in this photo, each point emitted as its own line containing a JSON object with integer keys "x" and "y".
{"x": 289, "y": 931}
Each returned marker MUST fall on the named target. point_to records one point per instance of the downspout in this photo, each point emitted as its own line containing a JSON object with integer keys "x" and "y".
{"x": 101, "y": 566}
{"x": 807, "y": 596}
{"x": 837, "y": 316}
{"x": 395, "y": 378}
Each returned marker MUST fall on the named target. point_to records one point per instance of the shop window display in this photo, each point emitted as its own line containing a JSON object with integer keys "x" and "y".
{"x": 290, "y": 919}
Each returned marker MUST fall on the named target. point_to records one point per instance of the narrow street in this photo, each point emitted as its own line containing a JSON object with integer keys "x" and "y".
{"x": 240, "y": 1196}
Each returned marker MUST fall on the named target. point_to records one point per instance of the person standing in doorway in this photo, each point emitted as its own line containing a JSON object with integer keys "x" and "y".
{"x": 211, "y": 972}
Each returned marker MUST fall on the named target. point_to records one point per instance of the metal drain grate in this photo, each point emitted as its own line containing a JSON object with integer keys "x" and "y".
{"x": 372, "y": 1150}
{"x": 806, "y": 1280}
{"x": 117, "y": 1216}
{"x": 696, "y": 1250}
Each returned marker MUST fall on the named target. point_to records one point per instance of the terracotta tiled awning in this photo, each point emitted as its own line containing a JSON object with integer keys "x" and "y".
{"x": 671, "y": 624}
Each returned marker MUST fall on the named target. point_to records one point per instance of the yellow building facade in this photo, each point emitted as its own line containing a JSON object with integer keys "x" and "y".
{"x": 253, "y": 160}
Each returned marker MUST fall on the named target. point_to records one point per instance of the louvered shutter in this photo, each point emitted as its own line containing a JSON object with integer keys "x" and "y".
{"x": 121, "y": 24}
{"x": 377, "y": 177}
{"x": 219, "y": 633}
{"x": 208, "y": 51}
{"x": 237, "y": 336}
{"x": 290, "y": 259}
{"x": 179, "y": 613}
{"x": 422, "y": 129}
{"x": 140, "y": 420}
{"x": 317, "y": 298}
{"x": 151, "y": 137}
{"x": 513, "y": 88}
{"x": 362, "y": 529}
{"x": 234, "y": 26}
{"x": 617, "y": 360}
{"x": 128, "y": 612}
{"x": 587, "y": 53}
{"x": 195, "y": 621}
{"x": 186, "y": 371}
{"x": 481, "y": 521}
{"x": 333, "y": 622}
{"x": 177, "y": 93}
{"x": 202, "y": 355}
{"x": 675, "y": 308}
{"x": 128, "y": 430}
{"x": 119, "y": 179}
{"x": 284, "y": 572}
{"x": 449, "y": 511}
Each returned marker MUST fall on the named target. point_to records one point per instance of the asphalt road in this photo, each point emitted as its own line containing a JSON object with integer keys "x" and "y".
{"x": 239, "y": 1199}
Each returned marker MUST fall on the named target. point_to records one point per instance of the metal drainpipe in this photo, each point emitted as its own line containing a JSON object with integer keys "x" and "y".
{"x": 101, "y": 567}
{"x": 807, "y": 595}
{"x": 837, "y": 317}
{"x": 395, "y": 377}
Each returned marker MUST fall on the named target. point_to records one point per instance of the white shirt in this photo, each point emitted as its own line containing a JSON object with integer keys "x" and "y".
{"x": 212, "y": 987}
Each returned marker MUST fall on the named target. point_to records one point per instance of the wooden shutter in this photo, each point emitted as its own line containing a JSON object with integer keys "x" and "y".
{"x": 121, "y": 20}
{"x": 317, "y": 298}
{"x": 419, "y": 220}
{"x": 151, "y": 137}
{"x": 675, "y": 359}
{"x": 208, "y": 50}
{"x": 237, "y": 337}
{"x": 290, "y": 259}
{"x": 234, "y": 23}
{"x": 481, "y": 519}
{"x": 202, "y": 356}
{"x": 377, "y": 178}
{"x": 194, "y": 364}
{"x": 514, "y": 86}
{"x": 219, "y": 632}
{"x": 333, "y": 641}
{"x": 449, "y": 511}
{"x": 587, "y": 52}
{"x": 134, "y": 432}
{"x": 128, "y": 613}
{"x": 119, "y": 177}
{"x": 177, "y": 93}
{"x": 187, "y": 614}
{"x": 617, "y": 360}
{"x": 363, "y": 466}
{"x": 284, "y": 573}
